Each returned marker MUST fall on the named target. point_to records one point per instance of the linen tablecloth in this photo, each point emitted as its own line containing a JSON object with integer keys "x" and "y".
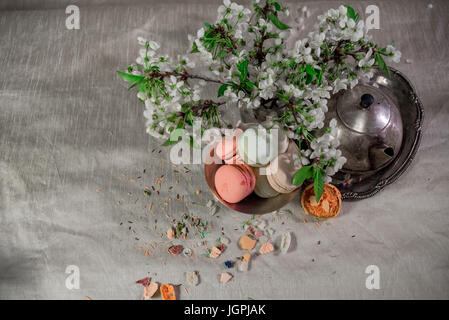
{"x": 73, "y": 151}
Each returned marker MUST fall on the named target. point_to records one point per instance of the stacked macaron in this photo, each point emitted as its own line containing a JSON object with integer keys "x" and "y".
{"x": 255, "y": 146}
{"x": 234, "y": 182}
{"x": 263, "y": 188}
{"x": 256, "y": 160}
{"x": 226, "y": 148}
{"x": 281, "y": 170}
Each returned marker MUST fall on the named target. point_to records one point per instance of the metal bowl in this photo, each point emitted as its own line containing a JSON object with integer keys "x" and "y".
{"x": 355, "y": 186}
{"x": 252, "y": 204}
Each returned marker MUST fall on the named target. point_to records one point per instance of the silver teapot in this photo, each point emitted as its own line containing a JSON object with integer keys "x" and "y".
{"x": 369, "y": 127}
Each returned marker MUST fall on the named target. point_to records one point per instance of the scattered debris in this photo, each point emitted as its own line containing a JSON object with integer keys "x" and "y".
{"x": 242, "y": 265}
{"x": 176, "y": 249}
{"x": 246, "y": 257}
{"x": 263, "y": 239}
{"x": 168, "y": 292}
{"x": 266, "y": 248}
{"x": 215, "y": 253}
{"x": 247, "y": 243}
{"x": 222, "y": 247}
{"x": 225, "y": 277}
{"x": 225, "y": 240}
{"x": 261, "y": 224}
{"x": 144, "y": 282}
{"x": 228, "y": 264}
{"x": 150, "y": 290}
{"x": 258, "y": 233}
{"x": 187, "y": 252}
{"x": 170, "y": 233}
{"x": 192, "y": 278}
{"x": 285, "y": 242}
{"x": 213, "y": 208}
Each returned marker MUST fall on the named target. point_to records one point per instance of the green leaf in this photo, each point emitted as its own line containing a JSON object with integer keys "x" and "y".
{"x": 276, "y": 22}
{"x": 249, "y": 85}
{"x": 194, "y": 48}
{"x": 207, "y": 25}
{"x": 351, "y": 13}
{"x": 310, "y": 73}
{"x": 130, "y": 77}
{"x": 242, "y": 66}
{"x": 310, "y": 70}
{"x": 142, "y": 87}
{"x": 133, "y": 85}
{"x": 277, "y": 6}
{"x": 222, "y": 90}
{"x": 381, "y": 63}
{"x": 302, "y": 174}
{"x": 318, "y": 183}
{"x": 171, "y": 140}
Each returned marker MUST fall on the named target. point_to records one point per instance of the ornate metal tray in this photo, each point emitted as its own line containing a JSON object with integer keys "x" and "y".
{"x": 398, "y": 87}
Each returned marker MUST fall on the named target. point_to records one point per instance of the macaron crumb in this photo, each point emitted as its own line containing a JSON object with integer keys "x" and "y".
{"x": 150, "y": 290}
{"x": 266, "y": 248}
{"x": 168, "y": 292}
{"x": 215, "y": 253}
{"x": 225, "y": 277}
{"x": 192, "y": 278}
{"x": 242, "y": 265}
{"x": 170, "y": 233}
{"x": 247, "y": 243}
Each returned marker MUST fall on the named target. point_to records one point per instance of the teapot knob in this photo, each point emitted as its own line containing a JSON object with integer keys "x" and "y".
{"x": 366, "y": 100}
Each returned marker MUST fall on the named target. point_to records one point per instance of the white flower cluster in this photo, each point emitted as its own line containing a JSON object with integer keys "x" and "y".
{"x": 246, "y": 53}
{"x": 174, "y": 91}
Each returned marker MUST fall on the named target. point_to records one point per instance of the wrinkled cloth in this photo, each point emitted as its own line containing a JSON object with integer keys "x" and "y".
{"x": 71, "y": 134}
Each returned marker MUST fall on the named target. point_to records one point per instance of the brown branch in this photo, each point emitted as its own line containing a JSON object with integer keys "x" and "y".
{"x": 185, "y": 76}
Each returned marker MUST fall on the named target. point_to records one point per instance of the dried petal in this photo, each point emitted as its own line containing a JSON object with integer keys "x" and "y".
{"x": 144, "y": 282}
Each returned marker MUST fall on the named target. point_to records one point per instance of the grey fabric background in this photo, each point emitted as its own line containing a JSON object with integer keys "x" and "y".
{"x": 71, "y": 134}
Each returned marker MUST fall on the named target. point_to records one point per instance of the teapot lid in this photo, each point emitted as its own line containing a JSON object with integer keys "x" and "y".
{"x": 364, "y": 109}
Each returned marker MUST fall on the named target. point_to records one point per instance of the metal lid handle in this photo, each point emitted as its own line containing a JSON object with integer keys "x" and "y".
{"x": 366, "y": 100}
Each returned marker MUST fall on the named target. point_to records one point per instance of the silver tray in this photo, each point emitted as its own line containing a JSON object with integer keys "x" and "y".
{"x": 397, "y": 86}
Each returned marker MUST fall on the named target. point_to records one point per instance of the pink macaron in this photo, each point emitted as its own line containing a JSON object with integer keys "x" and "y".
{"x": 226, "y": 149}
{"x": 234, "y": 182}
